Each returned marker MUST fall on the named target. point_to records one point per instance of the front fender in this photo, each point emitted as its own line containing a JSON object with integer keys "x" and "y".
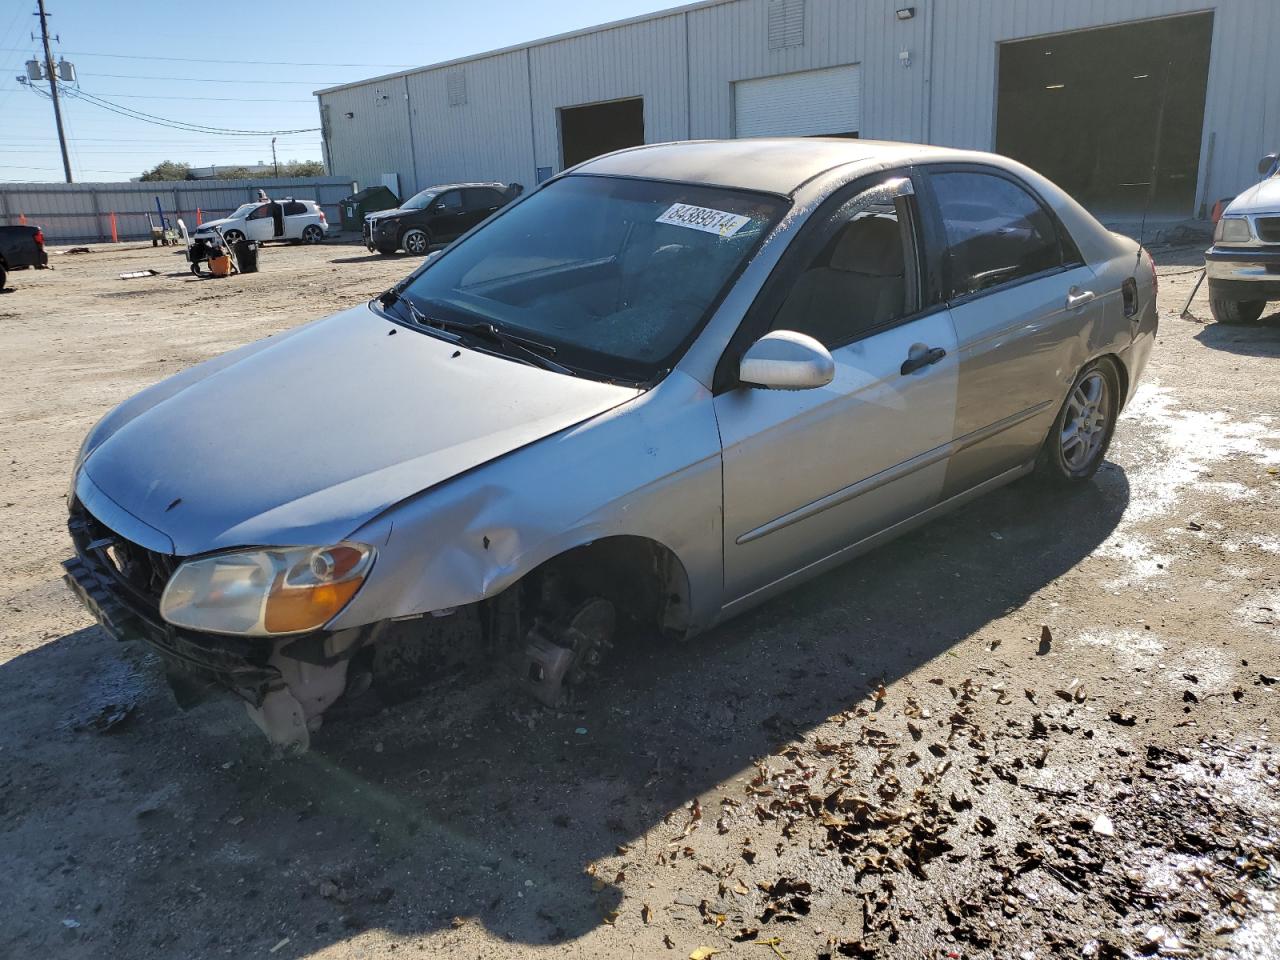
{"x": 650, "y": 469}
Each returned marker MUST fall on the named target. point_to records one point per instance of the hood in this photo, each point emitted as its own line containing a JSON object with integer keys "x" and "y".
{"x": 308, "y": 436}
{"x": 1262, "y": 197}
{"x": 222, "y": 224}
{"x": 387, "y": 214}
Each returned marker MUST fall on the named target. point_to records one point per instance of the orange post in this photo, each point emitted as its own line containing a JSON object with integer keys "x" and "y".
{"x": 115, "y": 238}
{"x": 197, "y": 216}
{"x": 22, "y": 219}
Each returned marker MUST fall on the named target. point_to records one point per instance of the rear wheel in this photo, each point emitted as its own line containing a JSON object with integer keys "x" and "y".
{"x": 1236, "y": 311}
{"x": 1082, "y": 431}
{"x": 312, "y": 233}
{"x": 415, "y": 242}
{"x": 3, "y": 276}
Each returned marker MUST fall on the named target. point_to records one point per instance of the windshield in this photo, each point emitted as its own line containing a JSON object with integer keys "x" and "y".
{"x": 618, "y": 275}
{"x": 242, "y": 211}
{"x": 418, "y": 201}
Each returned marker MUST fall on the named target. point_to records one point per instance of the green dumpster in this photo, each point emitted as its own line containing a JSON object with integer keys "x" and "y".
{"x": 368, "y": 200}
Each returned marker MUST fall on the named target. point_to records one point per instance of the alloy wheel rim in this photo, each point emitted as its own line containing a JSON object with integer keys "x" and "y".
{"x": 416, "y": 242}
{"x": 1085, "y": 426}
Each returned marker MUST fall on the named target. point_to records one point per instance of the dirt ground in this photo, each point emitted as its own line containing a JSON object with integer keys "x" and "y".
{"x": 1040, "y": 727}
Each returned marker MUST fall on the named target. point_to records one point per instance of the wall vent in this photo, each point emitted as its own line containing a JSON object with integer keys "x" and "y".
{"x": 786, "y": 24}
{"x": 457, "y": 86}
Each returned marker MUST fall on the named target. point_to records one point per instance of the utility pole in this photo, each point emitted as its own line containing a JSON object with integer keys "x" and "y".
{"x": 274, "y": 161}
{"x": 53, "y": 87}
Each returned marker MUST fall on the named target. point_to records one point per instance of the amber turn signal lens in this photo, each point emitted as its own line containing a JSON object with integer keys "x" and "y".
{"x": 290, "y": 610}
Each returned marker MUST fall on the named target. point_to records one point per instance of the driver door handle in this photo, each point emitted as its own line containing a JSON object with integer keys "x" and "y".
{"x": 926, "y": 358}
{"x": 1078, "y": 298}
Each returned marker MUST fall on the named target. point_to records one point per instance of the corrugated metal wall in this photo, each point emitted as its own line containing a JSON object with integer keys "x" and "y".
{"x": 485, "y": 137}
{"x": 644, "y": 59}
{"x": 79, "y": 212}
{"x": 685, "y": 63}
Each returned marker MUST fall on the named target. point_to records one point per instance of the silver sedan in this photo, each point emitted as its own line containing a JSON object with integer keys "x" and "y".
{"x": 655, "y": 391}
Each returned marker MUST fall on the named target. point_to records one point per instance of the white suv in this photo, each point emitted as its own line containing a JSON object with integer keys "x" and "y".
{"x": 287, "y": 219}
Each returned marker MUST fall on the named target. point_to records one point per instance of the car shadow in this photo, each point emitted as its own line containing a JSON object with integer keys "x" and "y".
{"x": 1261, "y": 339}
{"x": 469, "y": 802}
{"x": 369, "y": 258}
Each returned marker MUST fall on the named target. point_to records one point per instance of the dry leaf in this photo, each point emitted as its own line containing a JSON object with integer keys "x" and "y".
{"x": 702, "y": 953}
{"x": 646, "y": 913}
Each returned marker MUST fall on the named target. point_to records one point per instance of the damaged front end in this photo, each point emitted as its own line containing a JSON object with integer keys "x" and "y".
{"x": 286, "y": 683}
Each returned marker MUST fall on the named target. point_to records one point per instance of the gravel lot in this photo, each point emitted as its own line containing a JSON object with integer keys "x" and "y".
{"x": 1040, "y": 727}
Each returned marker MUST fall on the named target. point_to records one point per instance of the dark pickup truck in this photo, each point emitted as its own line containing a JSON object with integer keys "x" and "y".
{"x": 21, "y": 247}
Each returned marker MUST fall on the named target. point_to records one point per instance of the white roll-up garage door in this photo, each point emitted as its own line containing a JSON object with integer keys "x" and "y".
{"x": 808, "y": 104}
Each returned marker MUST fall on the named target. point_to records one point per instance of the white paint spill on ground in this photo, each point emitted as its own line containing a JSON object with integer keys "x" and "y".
{"x": 1131, "y": 648}
{"x": 1175, "y": 449}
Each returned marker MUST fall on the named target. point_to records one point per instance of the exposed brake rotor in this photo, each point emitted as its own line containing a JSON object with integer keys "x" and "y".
{"x": 570, "y": 651}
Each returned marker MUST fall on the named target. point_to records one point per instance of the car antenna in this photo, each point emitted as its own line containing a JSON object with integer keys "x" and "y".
{"x": 1155, "y": 163}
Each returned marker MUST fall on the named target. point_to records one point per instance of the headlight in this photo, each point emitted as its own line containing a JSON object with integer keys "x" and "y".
{"x": 1232, "y": 230}
{"x": 261, "y": 593}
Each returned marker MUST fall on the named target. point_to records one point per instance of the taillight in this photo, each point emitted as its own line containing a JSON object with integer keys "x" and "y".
{"x": 1155, "y": 277}
{"x": 322, "y": 217}
{"x": 39, "y": 238}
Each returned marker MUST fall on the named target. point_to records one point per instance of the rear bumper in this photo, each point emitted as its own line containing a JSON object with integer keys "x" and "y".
{"x": 1243, "y": 273}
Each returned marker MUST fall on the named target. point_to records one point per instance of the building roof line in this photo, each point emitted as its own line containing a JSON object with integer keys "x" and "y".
{"x": 528, "y": 44}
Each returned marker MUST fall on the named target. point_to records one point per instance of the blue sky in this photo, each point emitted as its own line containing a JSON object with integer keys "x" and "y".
{"x": 116, "y": 46}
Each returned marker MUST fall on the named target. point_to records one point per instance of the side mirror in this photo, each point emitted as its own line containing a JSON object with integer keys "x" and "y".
{"x": 1268, "y": 164}
{"x": 786, "y": 360}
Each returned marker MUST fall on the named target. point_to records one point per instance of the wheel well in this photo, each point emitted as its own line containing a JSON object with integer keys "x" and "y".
{"x": 645, "y": 580}
{"x": 1122, "y": 373}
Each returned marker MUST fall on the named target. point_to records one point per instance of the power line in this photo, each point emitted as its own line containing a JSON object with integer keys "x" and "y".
{"x": 158, "y": 96}
{"x": 139, "y": 76}
{"x": 261, "y": 63}
{"x": 132, "y": 114}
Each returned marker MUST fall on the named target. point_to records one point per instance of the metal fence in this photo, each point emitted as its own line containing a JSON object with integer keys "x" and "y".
{"x": 81, "y": 212}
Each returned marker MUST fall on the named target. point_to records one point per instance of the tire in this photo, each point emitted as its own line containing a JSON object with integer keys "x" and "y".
{"x": 311, "y": 233}
{"x": 3, "y": 277}
{"x": 416, "y": 242}
{"x": 1236, "y": 311}
{"x": 1082, "y": 430}
{"x": 232, "y": 236}
{"x": 385, "y": 251}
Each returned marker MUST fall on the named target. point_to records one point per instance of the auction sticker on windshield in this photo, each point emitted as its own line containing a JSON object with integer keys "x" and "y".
{"x": 703, "y": 218}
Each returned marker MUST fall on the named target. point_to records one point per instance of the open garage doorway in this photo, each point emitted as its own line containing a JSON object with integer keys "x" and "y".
{"x": 597, "y": 128}
{"x": 1098, "y": 111}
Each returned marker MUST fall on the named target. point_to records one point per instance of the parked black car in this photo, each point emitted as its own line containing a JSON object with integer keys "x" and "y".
{"x": 436, "y": 215}
{"x": 21, "y": 247}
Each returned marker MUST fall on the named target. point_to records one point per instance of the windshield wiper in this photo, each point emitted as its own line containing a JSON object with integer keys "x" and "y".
{"x": 538, "y": 353}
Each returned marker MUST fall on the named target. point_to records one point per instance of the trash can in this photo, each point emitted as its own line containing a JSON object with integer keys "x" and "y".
{"x": 369, "y": 200}
{"x": 247, "y": 255}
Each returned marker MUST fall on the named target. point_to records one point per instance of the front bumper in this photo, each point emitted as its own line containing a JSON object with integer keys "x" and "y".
{"x": 286, "y": 683}
{"x": 379, "y": 234}
{"x": 1243, "y": 273}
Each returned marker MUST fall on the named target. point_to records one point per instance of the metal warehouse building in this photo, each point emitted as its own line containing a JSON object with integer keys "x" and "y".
{"x": 1096, "y": 94}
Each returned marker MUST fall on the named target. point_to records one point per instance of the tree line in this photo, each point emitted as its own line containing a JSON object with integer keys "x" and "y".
{"x": 169, "y": 170}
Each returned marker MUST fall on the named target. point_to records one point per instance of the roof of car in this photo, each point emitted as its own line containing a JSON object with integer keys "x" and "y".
{"x": 771, "y": 164}
{"x": 436, "y": 188}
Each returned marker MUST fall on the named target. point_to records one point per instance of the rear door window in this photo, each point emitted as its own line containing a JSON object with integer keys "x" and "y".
{"x": 996, "y": 232}
{"x": 482, "y": 198}
{"x": 293, "y": 208}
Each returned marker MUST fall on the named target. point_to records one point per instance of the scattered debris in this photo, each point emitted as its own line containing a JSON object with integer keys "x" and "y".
{"x": 135, "y": 274}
